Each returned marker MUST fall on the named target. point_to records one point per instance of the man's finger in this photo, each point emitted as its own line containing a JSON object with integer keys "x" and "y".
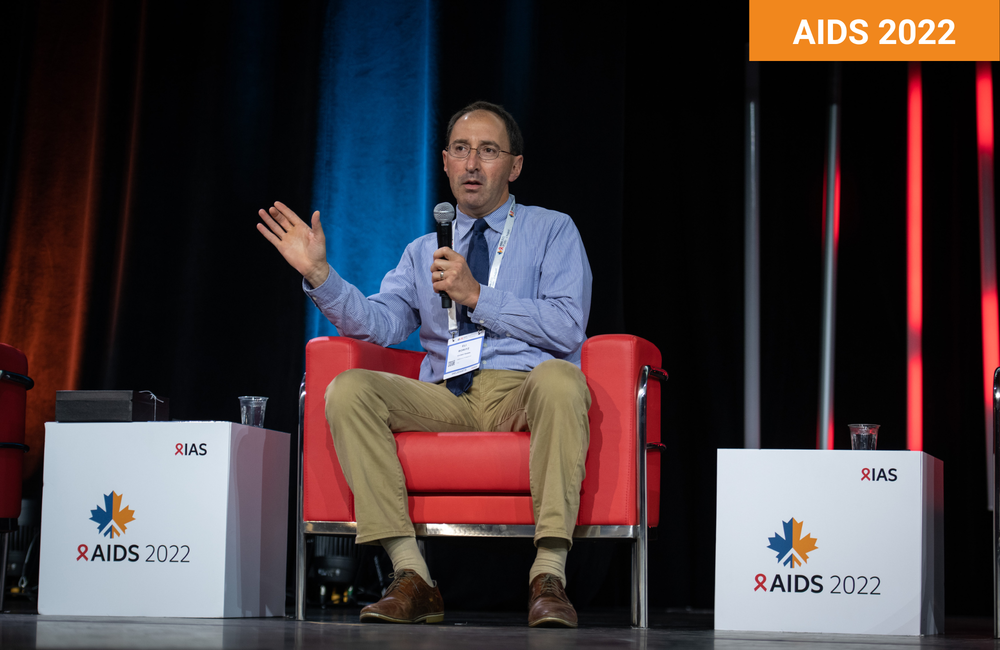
{"x": 272, "y": 224}
{"x": 270, "y": 236}
{"x": 317, "y": 227}
{"x": 287, "y": 213}
{"x": 280, "y": 218}
{"x": 446, "y": 253}
{"x": 438, "y": 265}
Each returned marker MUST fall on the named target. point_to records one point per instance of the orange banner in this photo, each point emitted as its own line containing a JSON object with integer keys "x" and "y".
{"x": 874, "y": 30}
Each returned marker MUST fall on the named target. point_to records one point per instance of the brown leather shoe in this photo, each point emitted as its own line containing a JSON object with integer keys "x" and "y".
{"x": 409, "y": 599}
{"x": 548, "y": 605}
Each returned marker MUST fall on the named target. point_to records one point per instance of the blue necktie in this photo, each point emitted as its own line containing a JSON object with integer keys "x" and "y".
{"x": 478, "y": 260}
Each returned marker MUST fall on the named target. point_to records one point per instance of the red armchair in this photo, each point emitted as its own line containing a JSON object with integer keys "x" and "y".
{"x": 476, "y": 483}
{"x": 14, "y": 383}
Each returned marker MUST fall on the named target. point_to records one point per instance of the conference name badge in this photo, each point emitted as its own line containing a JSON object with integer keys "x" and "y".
{"x": 464, "y": 354}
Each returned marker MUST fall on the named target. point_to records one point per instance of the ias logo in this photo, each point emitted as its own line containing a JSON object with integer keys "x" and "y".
{"x": 793, "y": 549}
{"x": 111, "y": 519}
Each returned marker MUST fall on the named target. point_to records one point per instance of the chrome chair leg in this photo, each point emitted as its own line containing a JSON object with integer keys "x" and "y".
{"x": 3, "y": 568}
{"x": 300, "y": 534}
{"x": 640, "y": 547}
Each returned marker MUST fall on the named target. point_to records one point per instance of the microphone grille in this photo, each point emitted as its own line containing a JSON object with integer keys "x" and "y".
{"x": 444, "y": 212}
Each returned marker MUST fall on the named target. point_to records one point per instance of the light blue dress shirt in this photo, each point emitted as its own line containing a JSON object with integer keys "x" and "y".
{"x": 537, "y": 311}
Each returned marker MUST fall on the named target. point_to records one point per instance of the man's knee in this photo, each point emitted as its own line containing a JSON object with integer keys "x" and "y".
{"x": 560, "y": 381}
{"x": 347, "y": 390}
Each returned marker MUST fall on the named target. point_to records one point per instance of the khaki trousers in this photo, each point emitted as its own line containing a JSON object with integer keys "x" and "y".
{"x": 364, "y": 407}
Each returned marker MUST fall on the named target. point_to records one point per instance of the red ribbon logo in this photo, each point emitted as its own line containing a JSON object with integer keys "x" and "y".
{"x": 866, "y": 474}
{"x": 82, "y": 550}
{"x": 759, "y": 579}
{"x": 180, "y": 449}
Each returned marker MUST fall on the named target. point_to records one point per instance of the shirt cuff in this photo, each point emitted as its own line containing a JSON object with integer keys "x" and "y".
{"x": 327, "y": 293}
{"x": 487, "y": 310}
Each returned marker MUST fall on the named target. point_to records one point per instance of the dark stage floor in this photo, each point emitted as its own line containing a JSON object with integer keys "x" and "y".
{"x": 22, "y": 628}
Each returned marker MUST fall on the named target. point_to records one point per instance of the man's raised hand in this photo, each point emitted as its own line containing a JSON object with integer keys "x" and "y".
{"x": 301, "y": 246}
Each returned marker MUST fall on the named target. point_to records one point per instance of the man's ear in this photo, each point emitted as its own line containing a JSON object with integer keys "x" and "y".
{"x": 515, "y": 171}
{"x": 444, "y": 161}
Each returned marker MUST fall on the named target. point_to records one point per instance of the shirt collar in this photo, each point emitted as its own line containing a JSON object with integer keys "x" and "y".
{"x": 495, "y": 219}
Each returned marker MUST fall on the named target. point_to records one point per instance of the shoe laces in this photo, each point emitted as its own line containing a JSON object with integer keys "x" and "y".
{"x": 550, "y": 584}
{"x": 396, "y": 578}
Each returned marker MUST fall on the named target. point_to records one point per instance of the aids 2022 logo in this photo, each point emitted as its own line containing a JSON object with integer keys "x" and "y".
{"x": 111, "y": 519}
{"x": 792, "y": 550}
{"x": 112, "y": 522}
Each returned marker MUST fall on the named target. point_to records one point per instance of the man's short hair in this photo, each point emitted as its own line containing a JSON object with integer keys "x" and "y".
{"x": 513, "y": 130}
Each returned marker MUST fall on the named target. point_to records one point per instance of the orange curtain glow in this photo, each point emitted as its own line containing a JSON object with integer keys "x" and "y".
{"x": 47, "y": 272}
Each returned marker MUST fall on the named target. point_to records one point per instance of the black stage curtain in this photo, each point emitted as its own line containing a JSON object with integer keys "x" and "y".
{"x": 634, "y": 131}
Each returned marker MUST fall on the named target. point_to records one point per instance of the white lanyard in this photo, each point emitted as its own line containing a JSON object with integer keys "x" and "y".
{"x": 494, "y": 267}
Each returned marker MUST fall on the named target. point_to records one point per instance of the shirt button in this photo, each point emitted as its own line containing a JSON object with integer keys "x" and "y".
{"x": 481, "y": 322}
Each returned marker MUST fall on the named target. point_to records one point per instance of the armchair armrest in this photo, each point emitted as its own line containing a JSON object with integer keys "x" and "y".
{"x": 335, "y": 354}
{"x": 612, "y": 364}
{"x": 328, "y": 496}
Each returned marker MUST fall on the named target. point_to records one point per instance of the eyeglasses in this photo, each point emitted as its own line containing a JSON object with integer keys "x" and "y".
{"x": 487, "y": 152}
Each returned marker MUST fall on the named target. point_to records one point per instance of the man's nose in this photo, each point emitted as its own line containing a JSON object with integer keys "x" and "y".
{"x": 472, "y": 162}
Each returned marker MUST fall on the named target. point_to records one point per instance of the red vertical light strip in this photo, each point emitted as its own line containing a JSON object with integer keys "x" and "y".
{"x": 987, "y": 251}
{"x": 836, "y": 248}
{"x": 836, "y": 251}
{"x": 914, "y": 264}
{"x": 984, "y": 107}
{"x": 836, "y": 207}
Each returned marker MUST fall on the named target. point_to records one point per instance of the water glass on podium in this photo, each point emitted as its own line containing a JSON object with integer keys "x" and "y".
{"x": 864, "y": 436}
{"x": 252, "y": 410}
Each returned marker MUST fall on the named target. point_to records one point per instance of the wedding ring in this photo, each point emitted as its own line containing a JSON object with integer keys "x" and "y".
{"x": 441, "y": 277}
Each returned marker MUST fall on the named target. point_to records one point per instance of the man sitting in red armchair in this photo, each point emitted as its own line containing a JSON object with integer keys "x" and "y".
{"x": 522, "y": 298}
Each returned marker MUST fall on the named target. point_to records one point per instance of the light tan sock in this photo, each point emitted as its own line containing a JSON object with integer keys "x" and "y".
{"x": 405, "y": 554}
{"x": 551, "y": 558}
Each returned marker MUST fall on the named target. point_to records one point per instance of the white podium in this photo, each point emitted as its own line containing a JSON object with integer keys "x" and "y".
{"x": 163, "y": 519}
{"x": 830, "y": 541}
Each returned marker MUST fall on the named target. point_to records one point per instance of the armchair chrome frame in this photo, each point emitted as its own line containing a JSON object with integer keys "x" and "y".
{"x": 15, "y": 378}
{"x": 639, "y": 534}
{"x": 996, "y": 504}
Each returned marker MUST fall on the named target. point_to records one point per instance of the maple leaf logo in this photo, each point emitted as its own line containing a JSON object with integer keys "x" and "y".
{"x": 111, "y": 519}
{"x": 793, "y": 547}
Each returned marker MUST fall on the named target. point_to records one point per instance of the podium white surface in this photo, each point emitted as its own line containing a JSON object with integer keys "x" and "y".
{"x": 830, "y": 541}
{"x": 163, "y": 519}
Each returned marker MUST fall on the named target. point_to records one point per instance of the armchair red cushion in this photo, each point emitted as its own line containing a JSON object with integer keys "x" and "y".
{"x": 482, "y": 477}
{"x": 12, "y": 404}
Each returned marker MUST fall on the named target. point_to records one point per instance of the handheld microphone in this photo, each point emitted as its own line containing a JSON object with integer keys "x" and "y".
{"x": 444, "y": 214}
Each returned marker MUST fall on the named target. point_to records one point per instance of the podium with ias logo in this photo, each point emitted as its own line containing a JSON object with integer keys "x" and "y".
{"x": 830, "y": 541}
{"x": 163, "y": 519}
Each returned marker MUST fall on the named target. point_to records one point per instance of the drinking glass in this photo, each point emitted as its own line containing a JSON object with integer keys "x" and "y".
{"x": 864, "y": 436}
{"x": 252, "y": 410}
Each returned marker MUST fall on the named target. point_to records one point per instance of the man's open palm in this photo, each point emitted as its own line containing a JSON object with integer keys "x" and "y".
{"x": 302, "y": 246}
